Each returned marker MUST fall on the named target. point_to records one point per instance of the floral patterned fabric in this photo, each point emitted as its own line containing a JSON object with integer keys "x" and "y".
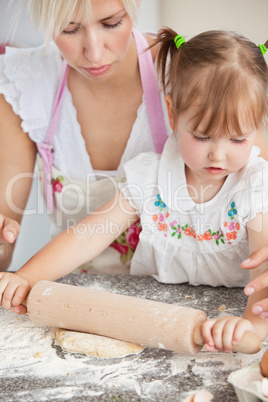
{"x": 182, "y": 241}
{"x": 177, "y": 230}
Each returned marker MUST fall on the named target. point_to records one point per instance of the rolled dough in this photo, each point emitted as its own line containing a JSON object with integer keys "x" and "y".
{"x": 95, "y": 345}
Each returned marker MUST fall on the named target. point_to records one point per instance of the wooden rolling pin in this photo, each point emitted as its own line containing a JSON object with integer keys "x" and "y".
{"x": 130, "y": 319}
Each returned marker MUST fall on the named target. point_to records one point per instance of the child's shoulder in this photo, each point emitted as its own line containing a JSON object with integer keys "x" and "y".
{"x": 254, "y": 177}
{"x": 144, "y": 159}
{"x": 256, "y": 166}
{"x": 143, "y": 168}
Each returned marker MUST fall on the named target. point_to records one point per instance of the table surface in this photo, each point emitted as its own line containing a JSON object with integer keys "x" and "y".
{"x": 33, "y": 367}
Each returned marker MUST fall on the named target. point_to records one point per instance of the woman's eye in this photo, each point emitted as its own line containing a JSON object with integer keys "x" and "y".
{"x": 112, "y": 26}
{"x": 71, "y": 32}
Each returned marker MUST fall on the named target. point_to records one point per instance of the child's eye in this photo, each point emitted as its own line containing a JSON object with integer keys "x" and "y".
{"x": 235, "y": 141}
{"x": 203, "y": 139}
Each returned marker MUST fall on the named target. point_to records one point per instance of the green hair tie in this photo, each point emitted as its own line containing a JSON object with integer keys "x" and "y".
{"x": 263, "y": 49}
{"x": 179, "y": 40}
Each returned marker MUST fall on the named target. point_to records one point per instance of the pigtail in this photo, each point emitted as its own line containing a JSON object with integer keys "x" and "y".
{"x": 167, "y": 52}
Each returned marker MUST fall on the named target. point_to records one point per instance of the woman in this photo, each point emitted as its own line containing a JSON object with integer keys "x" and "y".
{"x": 91, "y": 97}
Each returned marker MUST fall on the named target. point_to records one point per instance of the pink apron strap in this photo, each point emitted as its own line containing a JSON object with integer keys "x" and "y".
{"x": 151, "y": 92}
{"x": 45, "y": 148}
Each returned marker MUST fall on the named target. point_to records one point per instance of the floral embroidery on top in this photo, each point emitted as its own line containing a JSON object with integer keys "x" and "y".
{"x": 159, "y": 203}
{"x": 178, "y": 230}
{"x": 232, "y": 211}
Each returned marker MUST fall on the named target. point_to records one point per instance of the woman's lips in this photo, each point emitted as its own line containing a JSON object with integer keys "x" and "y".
{"x": 214, "y": 170}
{"x": 98, "y": 70}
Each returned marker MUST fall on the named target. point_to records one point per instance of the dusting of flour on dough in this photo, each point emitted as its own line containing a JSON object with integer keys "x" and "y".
{"x": 95, "y": 345}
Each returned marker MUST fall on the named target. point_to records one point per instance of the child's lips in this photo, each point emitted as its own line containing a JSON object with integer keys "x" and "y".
{"x": 214, "y": 170}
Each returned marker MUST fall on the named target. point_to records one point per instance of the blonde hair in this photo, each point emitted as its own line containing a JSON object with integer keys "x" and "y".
{"x": 222, "y": 73}
{"x": 55, "y": 15}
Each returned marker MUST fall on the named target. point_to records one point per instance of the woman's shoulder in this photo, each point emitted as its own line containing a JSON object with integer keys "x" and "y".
{"x": 28, "y": 80}
{"x": 28, "y": 61}
{"x": 43, "y": 49}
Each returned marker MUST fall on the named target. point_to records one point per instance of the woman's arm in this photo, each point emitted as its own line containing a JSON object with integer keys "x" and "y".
{"x": 260, "y": 283}
{"x": 17, "y": 155}
{"x": 71, "y": 248}
{"x": 258, "y": 237}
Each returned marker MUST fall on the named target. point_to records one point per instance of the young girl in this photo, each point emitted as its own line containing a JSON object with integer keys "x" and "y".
{"x": 203, "y": 203}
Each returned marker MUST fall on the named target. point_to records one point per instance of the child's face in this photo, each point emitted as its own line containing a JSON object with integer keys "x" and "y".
{"x": 98, "y": 48}
{"x": 212, "y": 158}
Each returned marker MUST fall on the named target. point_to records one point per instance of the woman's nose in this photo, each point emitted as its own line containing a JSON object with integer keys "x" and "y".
{"x": 93, "y": 47}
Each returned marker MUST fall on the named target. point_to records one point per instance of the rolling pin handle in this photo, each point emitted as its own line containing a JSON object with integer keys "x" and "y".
{"x": 250, "y": 343}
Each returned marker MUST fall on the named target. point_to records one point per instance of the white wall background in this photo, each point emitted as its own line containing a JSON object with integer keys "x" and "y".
{"x": 187, "y": 17}
{"x": 190, "y": 17}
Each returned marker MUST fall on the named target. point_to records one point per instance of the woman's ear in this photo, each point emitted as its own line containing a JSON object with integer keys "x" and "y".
{"x": 170, "y": 111}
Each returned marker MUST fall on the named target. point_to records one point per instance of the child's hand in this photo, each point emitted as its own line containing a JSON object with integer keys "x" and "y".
{"x": 9, "y": 231}
{"x": 223, "y": 333}
{"x": 13, "y": 290}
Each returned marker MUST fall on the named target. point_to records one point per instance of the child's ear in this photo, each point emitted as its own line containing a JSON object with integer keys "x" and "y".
{"x": 170, "y": 111}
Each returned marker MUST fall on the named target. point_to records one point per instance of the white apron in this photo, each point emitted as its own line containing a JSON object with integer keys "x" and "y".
{"x": 68, "y": 201}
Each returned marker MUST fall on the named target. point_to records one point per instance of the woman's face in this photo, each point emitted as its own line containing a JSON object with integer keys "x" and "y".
{"x": 99, "y": 47}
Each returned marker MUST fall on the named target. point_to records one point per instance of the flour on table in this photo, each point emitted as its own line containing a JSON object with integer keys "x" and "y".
{"x": 95, "y": 345}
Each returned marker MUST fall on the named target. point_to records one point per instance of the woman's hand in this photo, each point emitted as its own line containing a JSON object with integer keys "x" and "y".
{"x": 259, "y": 283}
{"x": 13, "y": 291}
{"x": 9, "y": 231}
{"x": 223, "y": 333}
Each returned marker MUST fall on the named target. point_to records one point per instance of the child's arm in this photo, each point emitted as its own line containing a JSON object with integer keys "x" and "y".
{"x": 222, "y": 333}
{"x": 71, "y": 248}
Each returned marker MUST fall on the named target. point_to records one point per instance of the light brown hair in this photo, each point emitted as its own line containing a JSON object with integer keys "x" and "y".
{"x": 222, "y": 73}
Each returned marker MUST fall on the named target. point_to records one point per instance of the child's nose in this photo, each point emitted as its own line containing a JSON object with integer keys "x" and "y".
{"x": 217, "y": 153}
